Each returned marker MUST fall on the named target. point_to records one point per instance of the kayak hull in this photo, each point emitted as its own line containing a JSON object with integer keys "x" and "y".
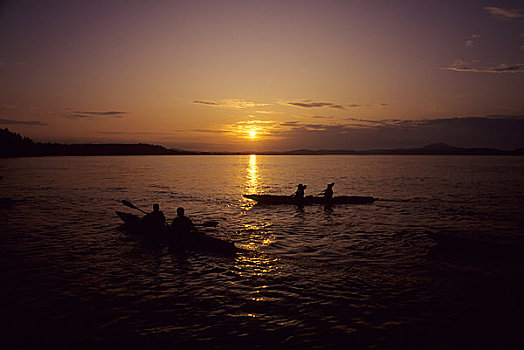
{"x": 194, "y": 240}
{"x": 268, "y": 199}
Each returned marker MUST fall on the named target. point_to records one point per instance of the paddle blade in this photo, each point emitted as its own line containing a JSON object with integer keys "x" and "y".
{"x": 131, "y": 205}
{"x": 128, "y": 204}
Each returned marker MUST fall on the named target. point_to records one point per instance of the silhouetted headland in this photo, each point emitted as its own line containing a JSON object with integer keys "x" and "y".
{"x": 14, "y": 145}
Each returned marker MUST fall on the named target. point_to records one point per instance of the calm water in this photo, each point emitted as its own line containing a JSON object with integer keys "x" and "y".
{"x": 361, "y": 276}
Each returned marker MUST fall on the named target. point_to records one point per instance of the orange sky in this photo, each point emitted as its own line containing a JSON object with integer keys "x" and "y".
{"x": 251, "y": 75}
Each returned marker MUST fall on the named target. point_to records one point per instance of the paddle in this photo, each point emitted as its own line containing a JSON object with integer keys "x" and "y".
{"x": 203, "y": 224}
{"x": 131, "y": 205}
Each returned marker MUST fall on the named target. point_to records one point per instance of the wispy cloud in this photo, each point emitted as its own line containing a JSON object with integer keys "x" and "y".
{"x": 132, "y": 133}
{"x": 209, "y": 103}
{"x": 231, "y": 103}
{"x": 268, "y": 112}
{"x": 367, "y": 123}
{"x": 504, "y": 14}
{"x": 315, "y": 104}
{"x": 209, "y": 131}
{"x": 315, "y": 127}
{"x": 108, "y": 113}
{"x": 472, "y": 42}
{"x": 462, "y": 66}
{"x": 94, "y": 114}
{"x": 293, "y": 123}
{"x": 22, "y": 122}
{"x": 310, "y": 104}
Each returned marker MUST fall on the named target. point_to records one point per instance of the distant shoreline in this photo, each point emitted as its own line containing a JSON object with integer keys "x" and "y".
{"x": 13, "y": 145}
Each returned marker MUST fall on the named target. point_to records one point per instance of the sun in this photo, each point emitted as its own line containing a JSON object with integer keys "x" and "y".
{"x": 252, "y": 134}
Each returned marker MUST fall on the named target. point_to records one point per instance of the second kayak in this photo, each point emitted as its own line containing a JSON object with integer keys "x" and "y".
{"x": 269, "y": 199}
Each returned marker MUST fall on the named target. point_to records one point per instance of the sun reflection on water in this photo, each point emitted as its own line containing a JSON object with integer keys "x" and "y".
{"x": 256, "y": 264}
{"x": 252, "y": 181}
{"x": 252, "y": 175}
{"x": 255, "y": 235}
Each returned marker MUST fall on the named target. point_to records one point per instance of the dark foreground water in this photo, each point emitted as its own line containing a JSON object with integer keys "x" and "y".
{"x": 351, "y": 276}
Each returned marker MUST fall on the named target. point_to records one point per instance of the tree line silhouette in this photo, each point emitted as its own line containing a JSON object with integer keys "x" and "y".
{"x": 14, "y": 145}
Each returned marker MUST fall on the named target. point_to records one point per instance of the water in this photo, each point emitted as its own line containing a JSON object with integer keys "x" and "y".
{"x": 352, "y": 276}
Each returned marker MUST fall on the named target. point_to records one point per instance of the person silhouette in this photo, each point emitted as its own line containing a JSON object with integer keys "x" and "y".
{"x": 155, "y": 219}
{"x": 299, "y": 194}
{"x": 182, "y": 224}
{"x": 328, "y": 192}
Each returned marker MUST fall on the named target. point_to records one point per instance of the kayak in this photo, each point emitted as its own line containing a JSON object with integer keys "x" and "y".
{"x": 269, "y": 199}
{"x": 195, "y": 240}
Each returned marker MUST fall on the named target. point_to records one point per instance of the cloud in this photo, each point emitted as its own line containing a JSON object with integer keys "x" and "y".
{"x": 462, "y": 66}
{"x": 364, "y": 121}
{"x": 504, "y": 132}
{"x": 472, "y": 42}
{"x": 132, "y": 133}
{"x": 231, "y": 103}
{"x": 317, "y": 104}
{"x": 94, "y": 114}
{"x": 288, "y": 124}
{"x": 314, "y": 104}
{"x": 504, "y": 14}
{"x": 315, "y": 127}
{"x": 210, "y": 131}
{"x": 22, "y": 122}
{"x": 209, "y": 103}
{"x": 310, "y": 104}
{"x": 109, "y": 113}
{"x": 268, "y": 112}
{"x": 367, "y": 123}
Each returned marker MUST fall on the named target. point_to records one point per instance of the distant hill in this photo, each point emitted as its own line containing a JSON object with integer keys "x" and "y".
{"x": 444, "y": 149}
{"x": 433, "y": 149}
{"x": 14, "y": 145}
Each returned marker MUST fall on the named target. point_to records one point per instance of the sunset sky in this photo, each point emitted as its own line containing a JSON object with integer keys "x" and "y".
{"x": 264, "y": 75}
